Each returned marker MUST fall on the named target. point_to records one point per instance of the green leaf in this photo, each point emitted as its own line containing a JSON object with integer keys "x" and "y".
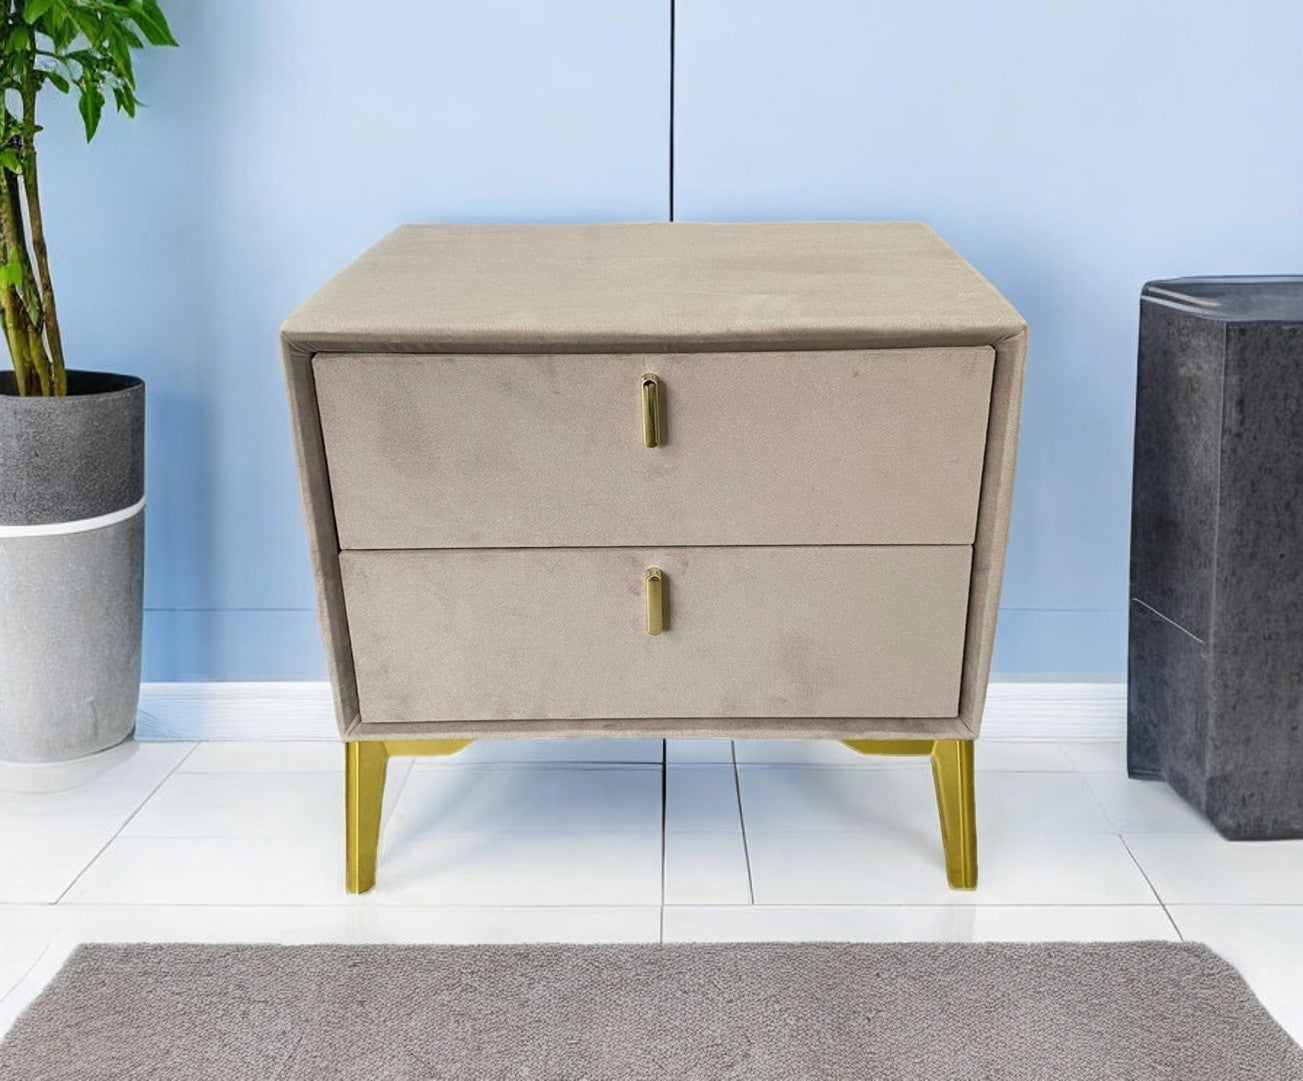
{"x": 90, "y": 104}
{"x": 58, "y": 80}
{"x": 34, "y": 9}
{"x": 10, "y": 160}
{"x": 152, "y": 22}
{"x": 125, "y": 100}
{"x": 120, "y": 51}
{"x": 62, "y": 30}
{"x": 87, "y": 24}
{"x": 20, "y": 38}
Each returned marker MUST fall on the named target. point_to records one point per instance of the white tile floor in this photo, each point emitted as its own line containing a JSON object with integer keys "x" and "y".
{"x": 625, "y": 841}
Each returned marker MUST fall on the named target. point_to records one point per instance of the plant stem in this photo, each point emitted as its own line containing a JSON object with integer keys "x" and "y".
{"x": 22, "y": 320}
{"x": 17, "y": 345}
{"x": 27, "y": 286}
{"x": 24, "y": 344}
{"x": 17, "y": 349}
{"x": 31, "y": 188}
{"x": 36, "y": 349}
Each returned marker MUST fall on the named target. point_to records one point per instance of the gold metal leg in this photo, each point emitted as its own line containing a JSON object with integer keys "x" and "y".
{"x": 365, "y": 765}
{"x": 952, "y": 770}
{"x": 952, "y": 773}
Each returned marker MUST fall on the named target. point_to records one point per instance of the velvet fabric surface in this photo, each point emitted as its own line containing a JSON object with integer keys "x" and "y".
{"x": 699, "y": 298}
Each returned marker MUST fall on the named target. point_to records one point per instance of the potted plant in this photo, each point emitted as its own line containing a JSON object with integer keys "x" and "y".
{"x": 71, "y": 440}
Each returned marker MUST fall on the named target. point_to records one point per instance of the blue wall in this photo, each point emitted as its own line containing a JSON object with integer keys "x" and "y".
{"x": 1070, "y": 150}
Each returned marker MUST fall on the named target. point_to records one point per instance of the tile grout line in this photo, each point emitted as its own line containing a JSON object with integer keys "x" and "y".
{"x": 126, "y": 822}
{"x": 1152, "y": 888}
{"x": 741, "y": 824}
{"x": 340, "y": 905}
{"x": 665, "y": 809}
{"x": 482, "y": 906}
{"x": 888, "y": 767}
{"x": 1107, "y": 816}
{"x": 17, "y": 984}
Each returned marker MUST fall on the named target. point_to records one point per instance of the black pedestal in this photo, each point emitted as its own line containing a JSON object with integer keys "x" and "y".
{"x": 1215, "y": 701}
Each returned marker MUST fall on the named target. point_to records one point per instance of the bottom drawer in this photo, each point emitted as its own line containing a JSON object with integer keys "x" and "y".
{"x": 562, "y": 633}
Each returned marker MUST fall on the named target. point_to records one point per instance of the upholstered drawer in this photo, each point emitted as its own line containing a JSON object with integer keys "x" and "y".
{"x": 837, "y": 447}
{"x": 511, "y": 634}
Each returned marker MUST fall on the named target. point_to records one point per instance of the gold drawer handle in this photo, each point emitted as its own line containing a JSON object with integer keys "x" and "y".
{"x": 655, "y": 582}
{"x": 651, "y": 409}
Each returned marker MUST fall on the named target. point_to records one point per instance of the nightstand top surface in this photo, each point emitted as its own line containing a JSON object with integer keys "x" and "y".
{"x": 682, "y": 286}
{"x": 1243, "y": 299}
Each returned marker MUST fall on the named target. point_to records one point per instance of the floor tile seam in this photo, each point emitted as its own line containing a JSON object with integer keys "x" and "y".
{"x": 742, "y": 825}
{"x": 18, "y": 983}
{"x": 344, "y": 904}
{"x": 665, "y": 816}
{"x": 691, "y": 767}
{"x": 842, "y": 906}
{"x": 873, "y": 906}
{"x": 704, "y": 831}
{"x": 1102, "y": 808}
{"x": 126, "y": 822}
{"x": 351, "y": 904}
{"x": 1237, "y": 904}
{"x": 285, "y": 833}
{"x": 902, "y": 767}
{"x": 323, "y": 771}
{"x": 447, "y": 762}
{"x": 357, "y": 904}
{"x": 1150, "y": 883}
{"x": 879, "y": 827}
{"x": 103, "y": 783}
{"x": 582, "y": 830}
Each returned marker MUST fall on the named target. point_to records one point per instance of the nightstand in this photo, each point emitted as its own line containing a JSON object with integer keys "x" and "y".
{"x": 670, "y": 480}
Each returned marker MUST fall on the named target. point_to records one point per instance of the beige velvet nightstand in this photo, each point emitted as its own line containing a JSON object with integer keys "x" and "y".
{"x": 665, "y": 480}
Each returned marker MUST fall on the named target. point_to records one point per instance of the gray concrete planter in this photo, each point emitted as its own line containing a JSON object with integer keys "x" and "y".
{"x": 72, "y": 544}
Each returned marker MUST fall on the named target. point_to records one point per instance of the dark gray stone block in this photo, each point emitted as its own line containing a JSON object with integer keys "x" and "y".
{"x": 1215, "y": 701}
{"x": 1166, "y": 703}
{"x": 1178, "y": 439}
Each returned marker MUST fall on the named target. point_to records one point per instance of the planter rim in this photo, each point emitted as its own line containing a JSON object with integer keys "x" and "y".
{"x": 72, "y": 458}
{"x": 82, "y": 384}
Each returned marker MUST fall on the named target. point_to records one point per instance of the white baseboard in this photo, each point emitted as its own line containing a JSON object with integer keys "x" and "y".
{"x": 230, "y": 711}
{"x": 1015, "y": 711}
{"x": 1071, "y": 712}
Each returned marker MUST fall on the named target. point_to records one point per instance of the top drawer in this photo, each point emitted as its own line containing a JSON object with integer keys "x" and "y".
{"x": 842, "y": 447}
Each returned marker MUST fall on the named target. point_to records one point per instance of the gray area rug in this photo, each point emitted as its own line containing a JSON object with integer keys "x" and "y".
{"x": 626, "y": 1013}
